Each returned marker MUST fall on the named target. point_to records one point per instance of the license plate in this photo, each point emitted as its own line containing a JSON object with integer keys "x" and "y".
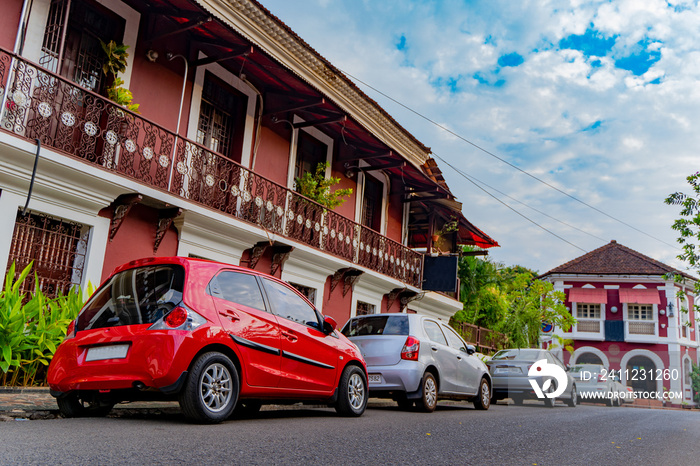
{"x": 98, "y": 353}
{"x": 375, "y": 378}
{"x": 507, "y": 370}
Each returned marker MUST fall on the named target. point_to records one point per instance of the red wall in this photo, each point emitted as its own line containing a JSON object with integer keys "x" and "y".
{"x": 9, "y": 22}
{"x": 335, "y": 304}
{"x": 157, "y": 90}
{"x": 395, "y": 218}
{"x": 614, "y": 300}
{"x": 272, "y": 159}
{"x": 136, "y": 237}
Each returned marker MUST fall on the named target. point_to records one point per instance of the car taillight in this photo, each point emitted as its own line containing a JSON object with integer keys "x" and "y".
{"x": 601, "y": 378}
{"x": 70, "y": 331}
{"x": 180, "y": 318}
{"x": 176, "y": 317}
{"x": 410, "y": 349}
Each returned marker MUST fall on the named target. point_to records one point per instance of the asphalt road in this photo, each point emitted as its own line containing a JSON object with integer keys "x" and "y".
{"x": 454, "y": 434}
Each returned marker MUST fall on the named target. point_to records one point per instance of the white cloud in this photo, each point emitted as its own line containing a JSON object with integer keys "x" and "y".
{"x": 641, "y": 138}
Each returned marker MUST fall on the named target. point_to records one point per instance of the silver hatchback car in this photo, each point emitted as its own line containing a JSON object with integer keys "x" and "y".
{"x": 415, "y": 359}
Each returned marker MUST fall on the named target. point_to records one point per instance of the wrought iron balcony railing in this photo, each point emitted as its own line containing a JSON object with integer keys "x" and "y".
{"x": 38, "y": 104}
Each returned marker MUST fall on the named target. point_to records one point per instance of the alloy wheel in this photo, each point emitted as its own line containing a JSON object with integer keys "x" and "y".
{"x": 216, "y": 387}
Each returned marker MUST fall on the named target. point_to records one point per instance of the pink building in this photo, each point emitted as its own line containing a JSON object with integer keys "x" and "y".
{"x": 234, "y": 106}
{"x": 632, "y": 317}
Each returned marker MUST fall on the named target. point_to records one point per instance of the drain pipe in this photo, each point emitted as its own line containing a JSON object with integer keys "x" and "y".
{"x": 171, "y": 57}
{"x": 31, "y": 183}
{"x": 19, "y": 43}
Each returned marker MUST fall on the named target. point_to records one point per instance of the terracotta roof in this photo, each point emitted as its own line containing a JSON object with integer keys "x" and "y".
{"x": 615, "y": 259}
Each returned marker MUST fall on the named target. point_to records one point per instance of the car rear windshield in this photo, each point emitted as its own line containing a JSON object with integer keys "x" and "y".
{"x": 136, "y": 296}
{"x": 520, "y": 354}
{"x": 377, "y": 325}
{"x": 586, "y": 368}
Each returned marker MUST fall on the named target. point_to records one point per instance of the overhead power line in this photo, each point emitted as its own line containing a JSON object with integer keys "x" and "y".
{"x": 509, "y": 207}
{"x": 478, "y": 147}
{"x": 476, "y": 180}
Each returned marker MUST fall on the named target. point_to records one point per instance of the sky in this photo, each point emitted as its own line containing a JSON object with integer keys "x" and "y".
{"x": 580, "y": 116}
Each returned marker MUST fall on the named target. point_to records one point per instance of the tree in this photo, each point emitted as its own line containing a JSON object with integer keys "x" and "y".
{"x": 480, "y": 291}
{"x": 531, "y": 303}
{"x": 688, "y": 225}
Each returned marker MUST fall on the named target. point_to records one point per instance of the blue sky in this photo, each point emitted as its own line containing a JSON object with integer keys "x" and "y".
{"x": 600, "y": 99}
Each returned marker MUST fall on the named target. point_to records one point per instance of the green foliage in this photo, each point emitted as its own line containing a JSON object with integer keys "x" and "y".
{"x": 688, "y": 226}
{"x": 561, "y": 342}
{"x": 481, "y": 291}
{"x": 695, "y": 382}
{"x": 531, "y": 303}
{"x": 116, "y": 58}
{"x": 509, "y": 300}
{"x": 448, "y": 227}
{"x": 121, "y": 95}
{"x": 317, "y": 187}
{"x": 31, "y": 327}
{"x": 116, "y": 63}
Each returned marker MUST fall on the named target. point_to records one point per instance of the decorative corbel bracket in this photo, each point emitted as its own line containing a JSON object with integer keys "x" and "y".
{"x": 404, "y": 295}
{"x": 392, "y": 296}
{"x": 122, "y": 206}
{"x": 165, "y": 220}
{"x": 280, "y": 254}
{"x": 349, "y": 277}
{"x": 256, "y": 253}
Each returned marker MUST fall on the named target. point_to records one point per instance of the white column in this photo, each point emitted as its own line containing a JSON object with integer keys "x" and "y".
{"x": 9, "y": 203}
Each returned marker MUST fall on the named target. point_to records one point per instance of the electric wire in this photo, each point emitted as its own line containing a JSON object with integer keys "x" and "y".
{"x": 474, "y": 179}
{"x": 511, "y": 208}
{"x": 486, "y": 151}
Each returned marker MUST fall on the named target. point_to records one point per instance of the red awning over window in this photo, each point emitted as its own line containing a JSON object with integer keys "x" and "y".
{"x": 640, "y": 296}
{"x": 588, "y": 295}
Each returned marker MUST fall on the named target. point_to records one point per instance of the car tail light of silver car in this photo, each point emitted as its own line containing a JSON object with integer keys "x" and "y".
{"x": 410, "y": 349}
{"x": 180, "y": 318}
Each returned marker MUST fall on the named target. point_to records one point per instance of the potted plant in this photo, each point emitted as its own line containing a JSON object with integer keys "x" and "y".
{"x": 317, "y": 187}
{"x": 448, "y": 227}
{"x": 116, "y": 55}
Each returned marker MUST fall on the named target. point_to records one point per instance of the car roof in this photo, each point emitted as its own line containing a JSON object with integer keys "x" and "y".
{"x": 192, "y": 264}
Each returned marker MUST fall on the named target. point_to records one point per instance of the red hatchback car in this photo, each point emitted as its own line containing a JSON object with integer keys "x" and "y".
{"x": 218, "y": 338}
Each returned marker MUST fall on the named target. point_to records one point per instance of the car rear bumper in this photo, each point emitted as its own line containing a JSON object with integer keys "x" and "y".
{"x": 155, "y": 359}
{"x": 505, "y": 387}
{"x": 405, "y": 376}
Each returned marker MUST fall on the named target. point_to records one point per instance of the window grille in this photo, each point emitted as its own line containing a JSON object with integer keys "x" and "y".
{"x": 57, "y": 247}
{"x": 364, "y": 309}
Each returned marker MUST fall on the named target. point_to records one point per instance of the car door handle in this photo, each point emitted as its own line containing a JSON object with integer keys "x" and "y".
{"x": 459, "y": 357}
{"x": 290, "y": 336}
{"x": 434, "y": 348}
{"x": 230, "y": 314}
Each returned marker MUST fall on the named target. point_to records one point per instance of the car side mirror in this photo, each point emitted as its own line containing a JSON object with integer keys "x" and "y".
{"x": 329, "y": 325}
{"x": 471, "y": 349}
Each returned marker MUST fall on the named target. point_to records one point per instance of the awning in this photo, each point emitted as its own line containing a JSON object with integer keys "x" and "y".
{"x": 639, "y": 296}
{"x": 588, "y": 295}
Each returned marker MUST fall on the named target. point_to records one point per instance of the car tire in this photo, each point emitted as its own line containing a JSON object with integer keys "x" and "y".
{"x": 352, "y": 392}
{"x": 429, "y": 393}
{"x": 573, "y": 401}
{"x": 483, "y": 397}
{"x": 211, "y": 390}
{"x": 246, "y": 408}
{"x": 74, "y": 405}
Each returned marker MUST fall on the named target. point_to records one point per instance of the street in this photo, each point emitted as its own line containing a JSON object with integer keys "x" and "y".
{"x": 454, "y": 434}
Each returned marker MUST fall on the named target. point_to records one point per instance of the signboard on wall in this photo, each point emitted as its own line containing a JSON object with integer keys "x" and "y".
{"x": 440, "y": 273}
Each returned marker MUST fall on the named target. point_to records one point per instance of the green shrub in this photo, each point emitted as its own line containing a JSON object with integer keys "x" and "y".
{"x": 31, "y": 327}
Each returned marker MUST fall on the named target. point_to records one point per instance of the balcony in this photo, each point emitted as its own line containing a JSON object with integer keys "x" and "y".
{"x": 38, "y": 104}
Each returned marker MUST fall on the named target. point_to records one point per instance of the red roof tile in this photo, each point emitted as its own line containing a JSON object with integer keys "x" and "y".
{"x": 615, "y": 259}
